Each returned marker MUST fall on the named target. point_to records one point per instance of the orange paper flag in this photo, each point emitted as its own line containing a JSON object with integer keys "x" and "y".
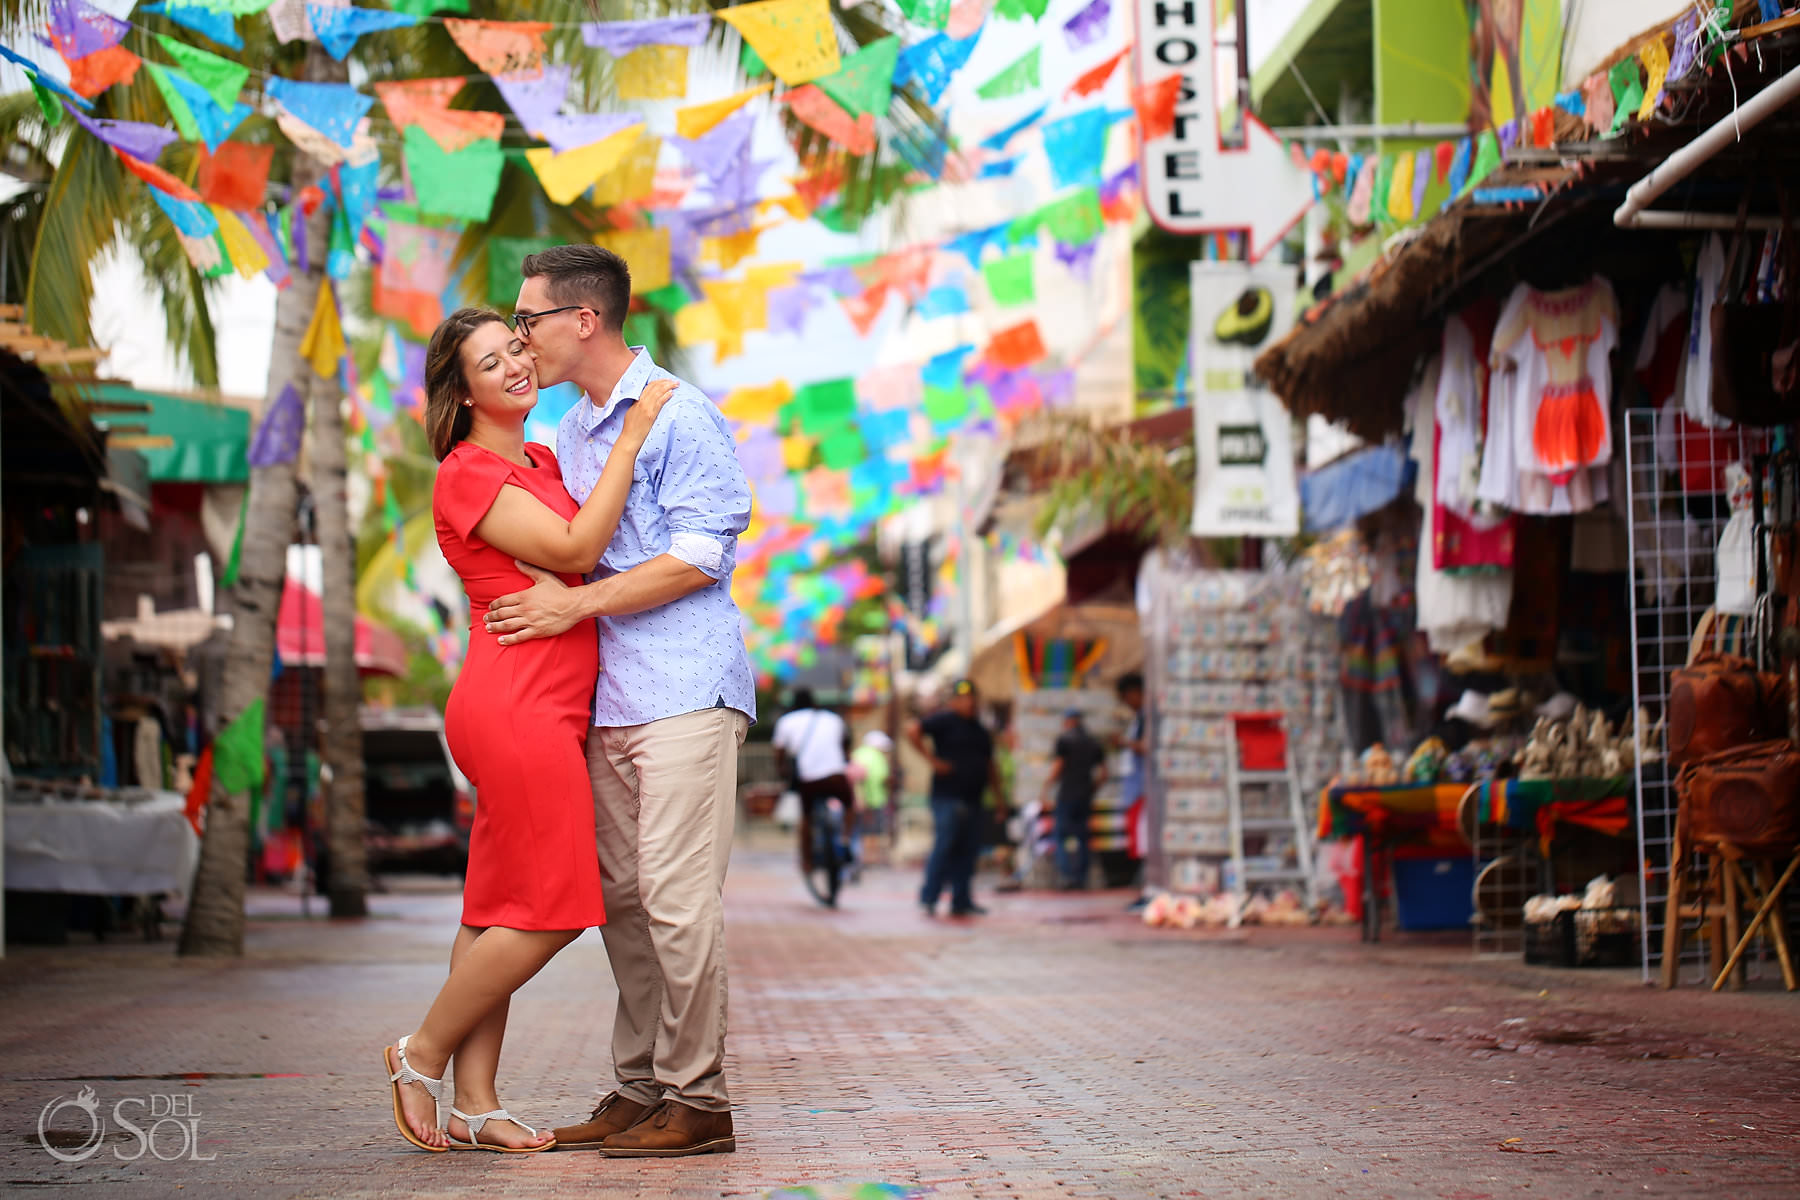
{"x": 426, "y": 103}
{"x": 94, "y": 73}
{"x": 865, "y": 310}
{"x": 824, "y": 114}
{"x": 1018, "y": 346}
{"x": 157, "y": 178}
{"x": 1093, "y": 79}
{"x": 1155, "y": 105}
{"x": 501, "y": 47}
{"x": 237, "y": 177}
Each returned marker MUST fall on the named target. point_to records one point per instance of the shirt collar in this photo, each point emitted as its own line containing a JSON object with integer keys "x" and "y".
{"x": 630, "y": 385}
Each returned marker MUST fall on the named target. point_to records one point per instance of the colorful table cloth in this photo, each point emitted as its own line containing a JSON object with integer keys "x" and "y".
{"x": 1418, "y": 813}
{"x": 1603, "y": 805}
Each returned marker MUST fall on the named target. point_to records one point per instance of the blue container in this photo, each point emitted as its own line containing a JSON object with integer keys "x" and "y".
{"x": 1434, "y": 893}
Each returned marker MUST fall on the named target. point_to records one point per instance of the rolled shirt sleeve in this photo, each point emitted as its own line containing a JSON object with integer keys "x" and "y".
{"x": 702, "y": 488}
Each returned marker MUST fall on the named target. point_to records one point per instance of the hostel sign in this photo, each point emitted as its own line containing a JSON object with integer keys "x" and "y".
{"x": 1192, "y": 183}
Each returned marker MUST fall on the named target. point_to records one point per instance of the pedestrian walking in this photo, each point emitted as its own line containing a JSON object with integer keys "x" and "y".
{"x": 961, "y": 754}
{"x": 1076, "y": 773}
{"x": 670, "y": 706}
{"x": 871, "y": 766}
{"x": 810, "y": 747}
{"x": 516, "y": 722}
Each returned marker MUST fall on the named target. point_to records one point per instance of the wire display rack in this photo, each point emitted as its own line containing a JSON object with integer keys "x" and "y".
{"x": 1678, "y": 511}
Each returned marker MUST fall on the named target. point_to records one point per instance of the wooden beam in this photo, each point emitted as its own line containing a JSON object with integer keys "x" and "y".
{"x": 65, "y": 356}
{"x": 12, "y": 312}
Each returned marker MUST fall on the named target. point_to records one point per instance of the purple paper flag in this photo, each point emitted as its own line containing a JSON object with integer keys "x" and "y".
{"x": 760, "y": 455}
{"x": 684, "y": 239}
{"x": 1079, "y": 259}
{"x": 622, "y": 37}
{"x": 277, "y": 438}
{"x": 1117, "y": 183}
{"x": 1058, "y": 387}
{"x": 538, "y": 105}
{"x": 297, "y": 236}
{"x": 719, "y": 152}
{"x": 78, "y": 29}
{"x": 140, "y": 140}
{"x": 777, "y": 496}
{"x": 788, "y": 308}
{"x": 1089, "y": 25}
{"x": 841, "y": 279}
{"x": 1683, "y": 60}
{"x": 412, "y": 375}
{"x": 1509, "y": 134}
{"x": 259, "y": 229}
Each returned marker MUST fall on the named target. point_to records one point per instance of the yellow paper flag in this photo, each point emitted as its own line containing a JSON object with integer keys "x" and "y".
{"x": 756, "y": 405}
{"x": 773, "y": 275}
{"x": 635, "y": 176}
{"x": 1655, "y": 57}
{"x": 652, "y": 73}
{"x": 246, "y": 255}
{"x": 565, "y": 176}
{"x": 697, "y": 323}
{"x": 795, "y": 38}
{"x": 645, "y": 251}
{"x": 793, "y": 204}
{"x": 796, "y": 451}
{"x": 742, "y": 306}
{"x": 323, "y": 345}
{"x": 1399, "y": 202}
{"x": 697, "y": 119}
{"x": 731, "y": 249}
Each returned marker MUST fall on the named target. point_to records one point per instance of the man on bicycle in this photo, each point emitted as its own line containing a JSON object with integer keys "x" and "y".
{"x": 810, "y": 744}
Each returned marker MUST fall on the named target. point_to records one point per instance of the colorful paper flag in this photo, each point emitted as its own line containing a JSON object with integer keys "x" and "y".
{"x": 1096, "y": 77}
{"x": 647, "y": 253}
{"x": 997, "y": 141}
{"x": 565, "y": 176}
{"x": 278, "y": 434}
{"x": 932, "y": 63}
{"x": 460, "y": 185}
{"x": 1089, "y": 25}
{"x": 198, "y": 109}
{"x": 323, "y": 344}
{"x": 426, "y": 103}
{"x": 211, "y": 23}
{"x": 652, "y": 73}
{"x": 695, "y": 120}
{"x": 1009, "y": 280}
{"x": 93, "y": 74}
{"x": 236, "y": 176}
{"x": 500, "y": 47}
{"x": 238, "y": 751}
{"x": 137, "y": 138}
{"x": 1017, "y": 346}
{"x": 619, "y": 38}
{"x": 865, "y": 82}
{"x": 635, "y": 176}
{"x": 245, "y": 252}
{"x": 338, "y": 27}
{"x": 821, "y": 112}
{"x": 222, "y": 78}
{"x": 168, "y": 187}
{"x": 796, "y": 38}
{"x": 1076, "y": 146}
{"x": 331, "y": 108}
{"x": 1020, "y": 77}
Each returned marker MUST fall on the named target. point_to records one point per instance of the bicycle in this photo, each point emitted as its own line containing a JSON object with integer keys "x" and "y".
{"x": 824, "y": 850}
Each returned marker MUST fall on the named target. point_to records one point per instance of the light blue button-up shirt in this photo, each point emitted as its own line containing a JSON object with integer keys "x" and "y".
{"x": 689, "y": 499}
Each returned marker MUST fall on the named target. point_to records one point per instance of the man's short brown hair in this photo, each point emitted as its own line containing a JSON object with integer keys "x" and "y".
{"x": 587, "y": 275}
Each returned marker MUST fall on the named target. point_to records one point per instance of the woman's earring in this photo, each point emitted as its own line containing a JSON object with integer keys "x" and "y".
{"x": 468, "y": 404}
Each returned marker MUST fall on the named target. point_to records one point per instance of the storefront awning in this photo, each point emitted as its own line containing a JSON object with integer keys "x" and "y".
{"x": 185, "y": 441}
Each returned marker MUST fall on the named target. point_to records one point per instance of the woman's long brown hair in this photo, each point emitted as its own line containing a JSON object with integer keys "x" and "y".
{"x": 446, "y": 418}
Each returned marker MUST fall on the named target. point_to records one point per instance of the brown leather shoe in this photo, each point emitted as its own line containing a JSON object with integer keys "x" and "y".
{"x": 671, "y": 1130}
{"x": 614, "y": 1114}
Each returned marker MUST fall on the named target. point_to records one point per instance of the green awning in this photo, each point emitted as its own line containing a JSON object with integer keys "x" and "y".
{"x": 1331, "y": 44}
{"x": 184, "y": 441}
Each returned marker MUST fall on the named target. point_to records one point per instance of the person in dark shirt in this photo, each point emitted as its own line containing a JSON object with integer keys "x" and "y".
{"x": 1076, "y": 774}
{"x": 961, "y": 753}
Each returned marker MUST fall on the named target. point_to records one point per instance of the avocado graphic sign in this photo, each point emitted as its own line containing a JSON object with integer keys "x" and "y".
{"x": 1245, "y": 483}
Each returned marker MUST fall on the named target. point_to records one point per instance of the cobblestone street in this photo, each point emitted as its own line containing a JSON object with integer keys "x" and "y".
{"x": 1054, "y": 1048}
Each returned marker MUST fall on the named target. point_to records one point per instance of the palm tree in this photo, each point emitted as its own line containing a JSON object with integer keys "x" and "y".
{"x": 90, "y": 205}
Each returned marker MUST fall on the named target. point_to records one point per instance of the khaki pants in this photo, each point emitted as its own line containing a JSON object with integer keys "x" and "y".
{"x": 665, "y": 801}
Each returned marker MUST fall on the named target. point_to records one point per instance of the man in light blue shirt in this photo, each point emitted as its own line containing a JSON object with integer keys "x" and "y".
{"x": 673, "y": 701}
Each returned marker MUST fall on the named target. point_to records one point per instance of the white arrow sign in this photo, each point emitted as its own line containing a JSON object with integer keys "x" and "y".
{"x": 1192, "y": 182}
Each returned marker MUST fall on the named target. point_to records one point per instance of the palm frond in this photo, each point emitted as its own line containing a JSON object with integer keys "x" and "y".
{"x": 1105, "y": 473}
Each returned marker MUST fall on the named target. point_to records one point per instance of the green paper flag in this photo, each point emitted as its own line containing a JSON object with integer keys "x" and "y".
{"x": 1023, "y": 229}
{"x": 641, "y": 330}
{"x": 671, "y": 298}
{"x": 236, "y": 561}
{"x": 823, "y": 407}
{"x": 843, "y": 449}
{"x": 1076, "y": 219}
{"x": 220, "y": 76}
{"x": 751, "y": 63}
{"x": 183, "y": 116}
{"x": 238, "y": 751}
{"x": 47, "y": 101}
{"x": 390, "y": 511}
{"x": 1009, "y": 279}
{"x": 935, "y": 13}
{"x": 381, "y": 395}
{"x": 453, "y": 185}
{"x": 505, "y": 257}
{"x": 865, "y": 83}
{"x": 1627, "y": 90}
{"x": 1030, "y": 10}
{"x": 1022, "y": 76}
{"x": 946, "y": 406}
{"x": 1487, "y": 159}
{"x": 424, "y": 8}
{"x": 1384, "y": 182}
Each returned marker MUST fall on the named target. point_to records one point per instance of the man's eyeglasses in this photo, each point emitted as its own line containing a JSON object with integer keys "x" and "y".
{"x": 521, "y": 321}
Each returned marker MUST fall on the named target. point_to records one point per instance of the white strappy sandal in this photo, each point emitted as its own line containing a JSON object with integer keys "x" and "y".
{"x": 476, "y": 1120}
{"x": 405, "y": 1075}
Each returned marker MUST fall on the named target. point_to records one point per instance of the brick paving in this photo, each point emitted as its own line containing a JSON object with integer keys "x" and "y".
{"x": 1053, "y": 1049}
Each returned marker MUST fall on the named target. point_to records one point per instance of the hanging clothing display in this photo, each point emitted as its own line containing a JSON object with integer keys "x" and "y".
{"x": 1466, "y": 534}
{"x": 1699, "y": 452}
{"x": 1549, "y": 396}
{"x": 1452, "y": 609}
{"x": 1696, "y": 386}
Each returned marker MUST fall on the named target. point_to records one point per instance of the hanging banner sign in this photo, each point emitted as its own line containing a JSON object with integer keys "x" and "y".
{"x": 1192, "y": 183}
{"x": 1245, "y": 483}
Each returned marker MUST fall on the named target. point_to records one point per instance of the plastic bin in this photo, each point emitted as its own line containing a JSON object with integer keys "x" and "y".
{"x": 1434, "y": 893}
{"x": 1585, "y": 937}
{"x": 1262, "y": 744}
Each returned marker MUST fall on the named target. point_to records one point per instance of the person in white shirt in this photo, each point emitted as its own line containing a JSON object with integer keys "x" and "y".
{"x": 810, "y": 744}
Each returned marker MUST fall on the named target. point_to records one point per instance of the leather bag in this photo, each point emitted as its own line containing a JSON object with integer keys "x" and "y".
{"x": 1749, "y": 797}
{"x": 1718, "y": 702}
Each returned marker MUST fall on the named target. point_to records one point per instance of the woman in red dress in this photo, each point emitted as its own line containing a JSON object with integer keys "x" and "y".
{"x": 516, "y": 721}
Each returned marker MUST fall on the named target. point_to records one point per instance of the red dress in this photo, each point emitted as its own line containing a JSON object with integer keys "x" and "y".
{"x": 517, "y": 720}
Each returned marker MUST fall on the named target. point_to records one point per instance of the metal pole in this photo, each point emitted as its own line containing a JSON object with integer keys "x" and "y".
{"x": 1241, "y": 12}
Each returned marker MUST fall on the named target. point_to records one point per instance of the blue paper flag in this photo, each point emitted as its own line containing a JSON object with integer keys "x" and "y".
{"x": 47, "y": 81}
{"x": 945, "y": 370}
{"x": 338, "y": 28}
{"x": 1076, "y": 145}
{"x": 331, "y": 108}
{"x": 189, "y": 217}
{"x": 881, "y": 430}
{"x": 213, "y": 23}
{"x": 1459, "y": 169}
{"x": 215, "y": 123}
{"x": 999, "y": 170}
{"x": 997, "y": 141}
{"x": 943, "y": 301}
{"x": 931, "y": 63}
{"x": 970, "y": 245}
